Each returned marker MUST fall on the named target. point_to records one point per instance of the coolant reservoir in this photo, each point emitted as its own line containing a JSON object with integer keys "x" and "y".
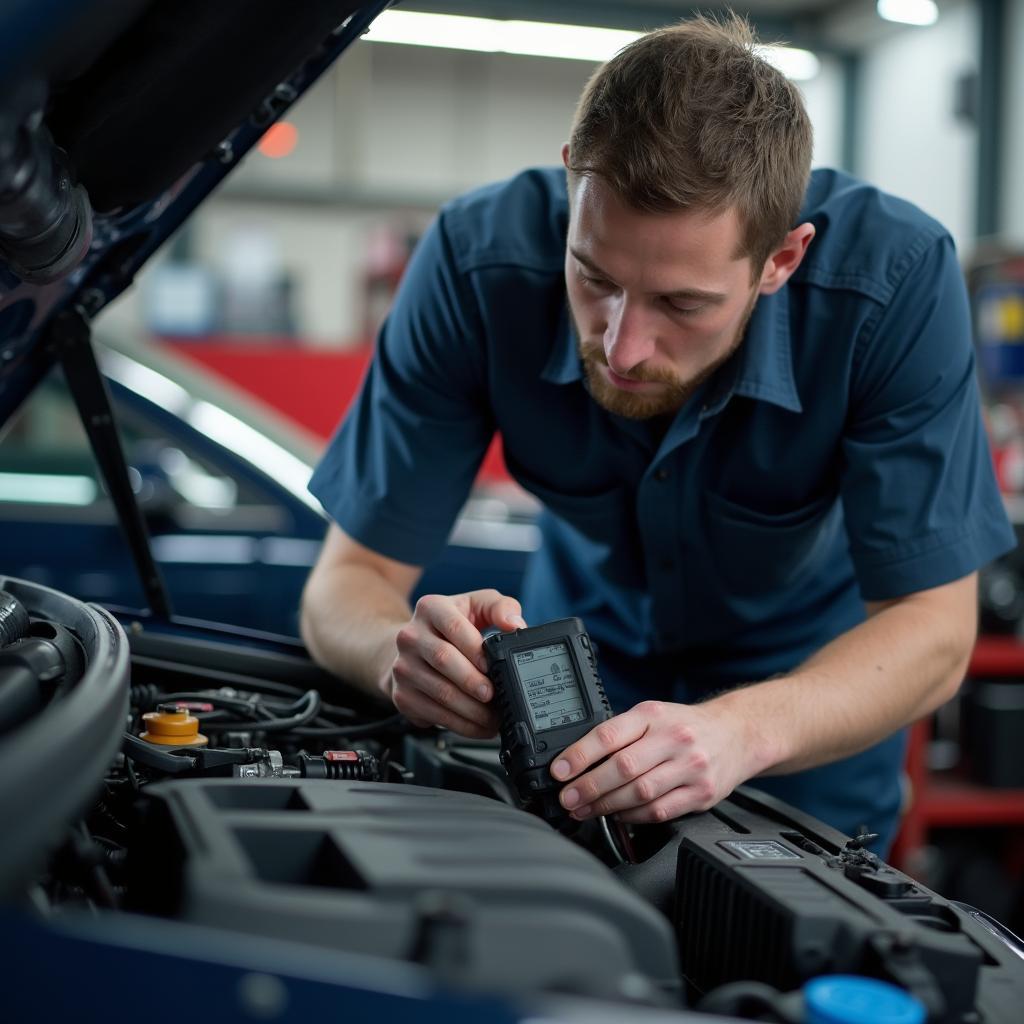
{"x": 171, "y": 726}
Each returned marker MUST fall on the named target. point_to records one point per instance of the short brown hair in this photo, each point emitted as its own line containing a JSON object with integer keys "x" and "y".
{"x": 690, "y": 116}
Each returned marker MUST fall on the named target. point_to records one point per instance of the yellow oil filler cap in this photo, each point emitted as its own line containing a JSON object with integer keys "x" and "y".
{"x": 172, "y": 726}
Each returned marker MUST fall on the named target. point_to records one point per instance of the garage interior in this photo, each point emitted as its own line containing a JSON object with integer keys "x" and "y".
{"x": 272, "y": 293}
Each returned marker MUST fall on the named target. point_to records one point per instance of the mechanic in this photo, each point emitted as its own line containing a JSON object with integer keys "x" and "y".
{"x": 744, "y": 393}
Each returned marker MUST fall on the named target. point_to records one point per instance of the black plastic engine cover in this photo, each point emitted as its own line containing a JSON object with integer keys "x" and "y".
{"x": 478, "y": 890}
{"x": 761, "y": 894}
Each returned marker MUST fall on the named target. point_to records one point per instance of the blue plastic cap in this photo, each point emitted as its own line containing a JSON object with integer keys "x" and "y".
{"x": 847, "y": 999}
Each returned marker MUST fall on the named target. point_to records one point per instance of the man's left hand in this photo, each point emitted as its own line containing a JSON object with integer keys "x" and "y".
{"x": 655, "y": 762}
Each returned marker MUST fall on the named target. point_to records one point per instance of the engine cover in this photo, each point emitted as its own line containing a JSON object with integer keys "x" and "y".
{"x": 763, "y": 893}
{"x": 478, "y": 890}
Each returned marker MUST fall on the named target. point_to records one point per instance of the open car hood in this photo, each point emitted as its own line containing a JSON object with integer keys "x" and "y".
{"x": 116, "y": 120}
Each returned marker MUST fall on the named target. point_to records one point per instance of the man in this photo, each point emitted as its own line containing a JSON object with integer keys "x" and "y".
{"x": 745, "y": 395}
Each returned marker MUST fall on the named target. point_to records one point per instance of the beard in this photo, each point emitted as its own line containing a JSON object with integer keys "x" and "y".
{"x": 676, "y": 390}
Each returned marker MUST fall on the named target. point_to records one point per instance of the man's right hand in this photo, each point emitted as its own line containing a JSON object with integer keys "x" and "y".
{"x": 439, "y": 675}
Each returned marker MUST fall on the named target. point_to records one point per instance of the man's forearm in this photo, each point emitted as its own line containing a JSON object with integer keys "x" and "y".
{"x": 902, "y": 663}
{"x": 659, "y": 759}
{"x": 350, "y": 617}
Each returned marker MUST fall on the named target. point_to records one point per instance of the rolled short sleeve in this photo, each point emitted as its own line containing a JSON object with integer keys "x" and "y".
{"x": 398, "y": 470}
{"x": 919, "y": 495}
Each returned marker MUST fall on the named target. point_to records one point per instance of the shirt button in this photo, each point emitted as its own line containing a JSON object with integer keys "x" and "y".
{"x": 661, "y": 474}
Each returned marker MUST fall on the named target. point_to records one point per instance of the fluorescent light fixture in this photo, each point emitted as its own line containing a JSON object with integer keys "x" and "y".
{"x": 798, "y": 65}
{"x": 47, "y": 489}
{"x": 909, "y": 12}
{"x": 540, "y": 39}
{"x": 491, "y": 35}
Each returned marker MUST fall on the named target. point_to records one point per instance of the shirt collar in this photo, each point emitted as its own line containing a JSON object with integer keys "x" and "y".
{"x": 765, "y": 359}
{"x": 563, "y": 365}
{"x": 763, "y": 368}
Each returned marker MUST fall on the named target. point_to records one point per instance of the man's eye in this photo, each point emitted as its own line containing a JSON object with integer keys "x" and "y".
{"x": 597, "y": 283}
{"x": 687, "y": 309}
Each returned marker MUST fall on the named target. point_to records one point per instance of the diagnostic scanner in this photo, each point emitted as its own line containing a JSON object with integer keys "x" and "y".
{"x": 548, "y": 695}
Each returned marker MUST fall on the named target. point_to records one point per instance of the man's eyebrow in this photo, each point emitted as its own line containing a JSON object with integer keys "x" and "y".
{"x": 699, "y": 294}
{"x": 586, "y": 261}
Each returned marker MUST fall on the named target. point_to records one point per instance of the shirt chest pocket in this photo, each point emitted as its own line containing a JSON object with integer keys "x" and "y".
{"x": 754, "y": 552}
{"x": 601, "y": 517}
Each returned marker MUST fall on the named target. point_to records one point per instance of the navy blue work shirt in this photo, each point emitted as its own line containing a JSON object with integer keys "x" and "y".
{"x": 838, "y": 457}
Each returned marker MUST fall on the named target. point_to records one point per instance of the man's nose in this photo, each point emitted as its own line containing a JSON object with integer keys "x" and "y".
{"x": 628, "y": 339}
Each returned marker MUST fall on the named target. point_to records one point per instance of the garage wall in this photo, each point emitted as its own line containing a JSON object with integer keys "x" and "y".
{"x": 1013, "y": 128}
{"x": 823, "y": 97}
{"x": 910, "y": 142}
{"x": 383, "y": 138}
{"x": 430, "y": 122}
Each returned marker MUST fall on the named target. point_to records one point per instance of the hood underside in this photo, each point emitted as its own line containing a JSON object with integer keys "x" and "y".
{"x": 173, "y": 81}
{"x": 116, "y": 120}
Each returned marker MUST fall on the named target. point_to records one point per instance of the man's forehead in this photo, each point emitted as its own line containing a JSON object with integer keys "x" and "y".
{"x": 603, "y": 225}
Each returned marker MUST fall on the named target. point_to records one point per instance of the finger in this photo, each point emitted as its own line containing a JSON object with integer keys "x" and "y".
{"x": 623, "y": 767}
{"x": 638, "y": 792}
{"x": 449, "y": 642}
{"x": 602, "y": 740}
{"x": 492, "y": 608}
{"x": 415, "y": 675}
{"x": 674, "y": 804}
{"x": 418, "y": 706}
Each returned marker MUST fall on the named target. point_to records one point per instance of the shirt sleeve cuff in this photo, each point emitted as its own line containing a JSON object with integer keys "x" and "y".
{"x": 412, "y": 542}
{"x": 932, "y": 560}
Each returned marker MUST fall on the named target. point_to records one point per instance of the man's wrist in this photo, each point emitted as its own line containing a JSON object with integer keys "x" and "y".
{"x": 762, "y": 738}
{"x": 383, "y": 664}
{"x": 382, "y": 684}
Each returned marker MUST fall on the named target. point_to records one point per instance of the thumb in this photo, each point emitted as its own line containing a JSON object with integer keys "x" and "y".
{"x": 493, "y": 608}
{"x": 511, "y": 620}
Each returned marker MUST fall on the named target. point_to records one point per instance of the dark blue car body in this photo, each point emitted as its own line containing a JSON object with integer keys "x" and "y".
{"x": 241, "y": 561}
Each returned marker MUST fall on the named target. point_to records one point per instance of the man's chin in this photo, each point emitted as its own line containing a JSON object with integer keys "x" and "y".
{"x": 635, "y": 405}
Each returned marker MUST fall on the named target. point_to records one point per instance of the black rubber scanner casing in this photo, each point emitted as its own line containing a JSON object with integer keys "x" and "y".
{"x": 526, "y": 754}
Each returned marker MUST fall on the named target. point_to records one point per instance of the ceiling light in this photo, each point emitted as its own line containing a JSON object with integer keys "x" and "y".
{"x": 909, "y": 12}
{"x": 490, "y": 35}
{"x": 799, "y": 65}
{"x": 537, "y": 39}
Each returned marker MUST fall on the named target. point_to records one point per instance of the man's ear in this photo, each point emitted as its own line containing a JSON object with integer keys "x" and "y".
{"x": 565, "y": 153}
{"x": 782, "y": 263}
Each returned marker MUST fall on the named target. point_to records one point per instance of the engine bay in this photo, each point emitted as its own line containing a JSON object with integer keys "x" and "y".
{"x": 215, "y": 787}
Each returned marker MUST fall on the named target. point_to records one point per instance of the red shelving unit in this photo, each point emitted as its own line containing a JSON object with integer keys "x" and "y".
{"x": 940, "y": 801}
